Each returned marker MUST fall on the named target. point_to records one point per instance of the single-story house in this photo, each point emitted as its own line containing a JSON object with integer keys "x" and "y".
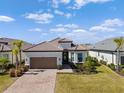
{"x": 58, "y": 51}
{"x": 107, "y": 50}
{"x": 6, "y": 46}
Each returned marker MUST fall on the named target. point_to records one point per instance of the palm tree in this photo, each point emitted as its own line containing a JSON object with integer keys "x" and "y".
{"x": 119, "y": 43}
{"x": 16, "y": 52}
{"x": 18, "y": 44}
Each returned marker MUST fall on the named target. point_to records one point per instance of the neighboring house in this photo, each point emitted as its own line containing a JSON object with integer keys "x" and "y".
{"x": 6, "y": 46}
{"x": 107, "y": 50}
{"x": 59, "y": 51}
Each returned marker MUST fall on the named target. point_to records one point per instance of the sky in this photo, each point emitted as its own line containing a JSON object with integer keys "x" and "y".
{"x": 84, "y": 21}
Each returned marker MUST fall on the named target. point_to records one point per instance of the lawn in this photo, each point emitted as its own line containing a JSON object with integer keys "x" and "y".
{"x": 106, "y": 81}
{"x": 5, "y": 81}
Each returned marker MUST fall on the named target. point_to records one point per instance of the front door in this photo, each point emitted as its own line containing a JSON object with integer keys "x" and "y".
{"x": 65, "y": 57}
{"x": 122, "y": 60}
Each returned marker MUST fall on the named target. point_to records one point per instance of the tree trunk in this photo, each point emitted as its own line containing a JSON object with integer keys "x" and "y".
{"x": 16, "y": 61}
{"x": 20, "y": 57}
{"x": 118, "y": 60}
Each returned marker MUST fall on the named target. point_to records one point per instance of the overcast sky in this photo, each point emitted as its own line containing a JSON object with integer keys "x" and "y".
{"x": 84, "y": 21}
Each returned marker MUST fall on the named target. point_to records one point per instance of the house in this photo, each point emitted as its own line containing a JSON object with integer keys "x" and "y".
{"x": 107, "y": 50}
{"x": 6, "y": 46}
{"x": 59, "y": 51}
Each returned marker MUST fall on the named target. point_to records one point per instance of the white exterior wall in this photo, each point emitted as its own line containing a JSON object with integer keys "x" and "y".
{"x": 84, "y": 55}
{"x": 65, "y": 45}
{"x": 28, "y": 55}
{"x": 108, "y": 57}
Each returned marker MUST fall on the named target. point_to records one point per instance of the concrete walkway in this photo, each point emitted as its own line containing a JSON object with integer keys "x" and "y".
{"x": 66, "y": 69}
{"x": 35, "y": 82}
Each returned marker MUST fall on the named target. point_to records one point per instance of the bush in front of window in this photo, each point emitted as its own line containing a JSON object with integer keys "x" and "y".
{"x": 89, "y": 67}
{"x": 103, "y": 62}
{"x": 94, "y": 60}
{"x": 3, "y": 63}
{"x": 112, "y": 66}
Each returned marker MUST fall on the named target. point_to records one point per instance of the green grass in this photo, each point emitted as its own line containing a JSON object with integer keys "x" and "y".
{"x": 106, "y": 81}
{"x": 5, "y": 81}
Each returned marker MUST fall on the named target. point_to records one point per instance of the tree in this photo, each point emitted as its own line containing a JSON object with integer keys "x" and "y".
{"x": 119, "y": 43}
{"x": 18, "y": 44}
{"x": 3, "y": 62}
{"x": 16, "y": 52}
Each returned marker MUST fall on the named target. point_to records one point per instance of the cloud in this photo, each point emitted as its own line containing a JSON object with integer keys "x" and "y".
{"x": 6, "y": 19}
{"x": 57, "y": 2}
{"x": 58, "y": 29}
{"x": 80, "y": 3}
{"x": 71, "y": 26}
{"x": 64, "y": 27}
{"x": 113, "y": 22}
{"x": 76, "y": 4}
{"x": 35, "y": 30}
{"x": 67, "y": 15}
{"x": 101, "y": 28}
{"x": 109, "y": 28}
{"x": 108, "y": 25}
{"x": 42, "y": 18}
{"x": 82, "y": 36}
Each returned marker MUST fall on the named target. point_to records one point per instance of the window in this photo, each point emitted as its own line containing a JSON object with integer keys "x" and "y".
{"x": 98, "y": 54}
{"x": 6, "y": 55}
{"x": 72, "y": 56}
{"x": 80, "y": 57}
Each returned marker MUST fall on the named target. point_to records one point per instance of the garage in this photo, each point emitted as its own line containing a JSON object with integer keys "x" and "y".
{"x": 43, "y": 62}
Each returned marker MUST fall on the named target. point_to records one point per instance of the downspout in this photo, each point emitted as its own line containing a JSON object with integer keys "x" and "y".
{"x": 12, "y": 57}
{"x": 112, "y": 58}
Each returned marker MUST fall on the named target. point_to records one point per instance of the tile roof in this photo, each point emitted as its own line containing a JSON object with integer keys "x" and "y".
{"x": 44, "y": 46}
{"x": 107, "y": 44}
{"x": 9, "y": 43}
{"x": 4, "y": 47}
{"x": 53, "y": 45}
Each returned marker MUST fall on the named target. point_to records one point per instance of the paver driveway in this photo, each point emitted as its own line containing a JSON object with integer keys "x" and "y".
{"x": 43, "y": 82}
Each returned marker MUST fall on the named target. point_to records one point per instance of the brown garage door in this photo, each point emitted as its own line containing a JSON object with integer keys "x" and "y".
{"x": 43, "y": 62}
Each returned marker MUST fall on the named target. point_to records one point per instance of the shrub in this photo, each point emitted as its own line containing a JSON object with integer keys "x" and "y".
{"x": 112, "y": 66}
{"x": 9, "y": 66}
{"x": 3, "y": 63}
{"x": 15, "y": 72}
{"x": 89, "y": 67}
{"x": 12, "y": 72}
{"x": 79, "y": 67}
{"x": 103, "y": 62}
{"x": 121, "y": 67}
{"x": 18, "y": 72}
{"x": 26, "y": 68}
{"x": 94, "y": 60}
{"x": 23, "y": 62}
{"x": 73, "y": 66}
{"x": 59, "y": 67}
{"x": 122, "y": 71}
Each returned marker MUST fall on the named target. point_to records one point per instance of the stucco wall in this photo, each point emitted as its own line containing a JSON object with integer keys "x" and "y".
{"x": 28, "y": 55}
{"x": 76, "y": 56}
{"x": 106, "y": 56}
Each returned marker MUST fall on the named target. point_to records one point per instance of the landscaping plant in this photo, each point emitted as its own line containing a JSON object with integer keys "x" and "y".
{"x": 3, "y": 63}
{"x": 112, "y": 66}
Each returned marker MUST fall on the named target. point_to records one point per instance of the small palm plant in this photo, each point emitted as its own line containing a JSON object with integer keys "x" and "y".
{"x": 18, "y": 45}
{"x": 119, "y": 43}
{"x": 16, "y": 52}
{"x": 3, "y": 62}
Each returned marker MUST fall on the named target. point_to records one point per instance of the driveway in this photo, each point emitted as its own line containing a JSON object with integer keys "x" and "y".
{"x": 35, "y": 82}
